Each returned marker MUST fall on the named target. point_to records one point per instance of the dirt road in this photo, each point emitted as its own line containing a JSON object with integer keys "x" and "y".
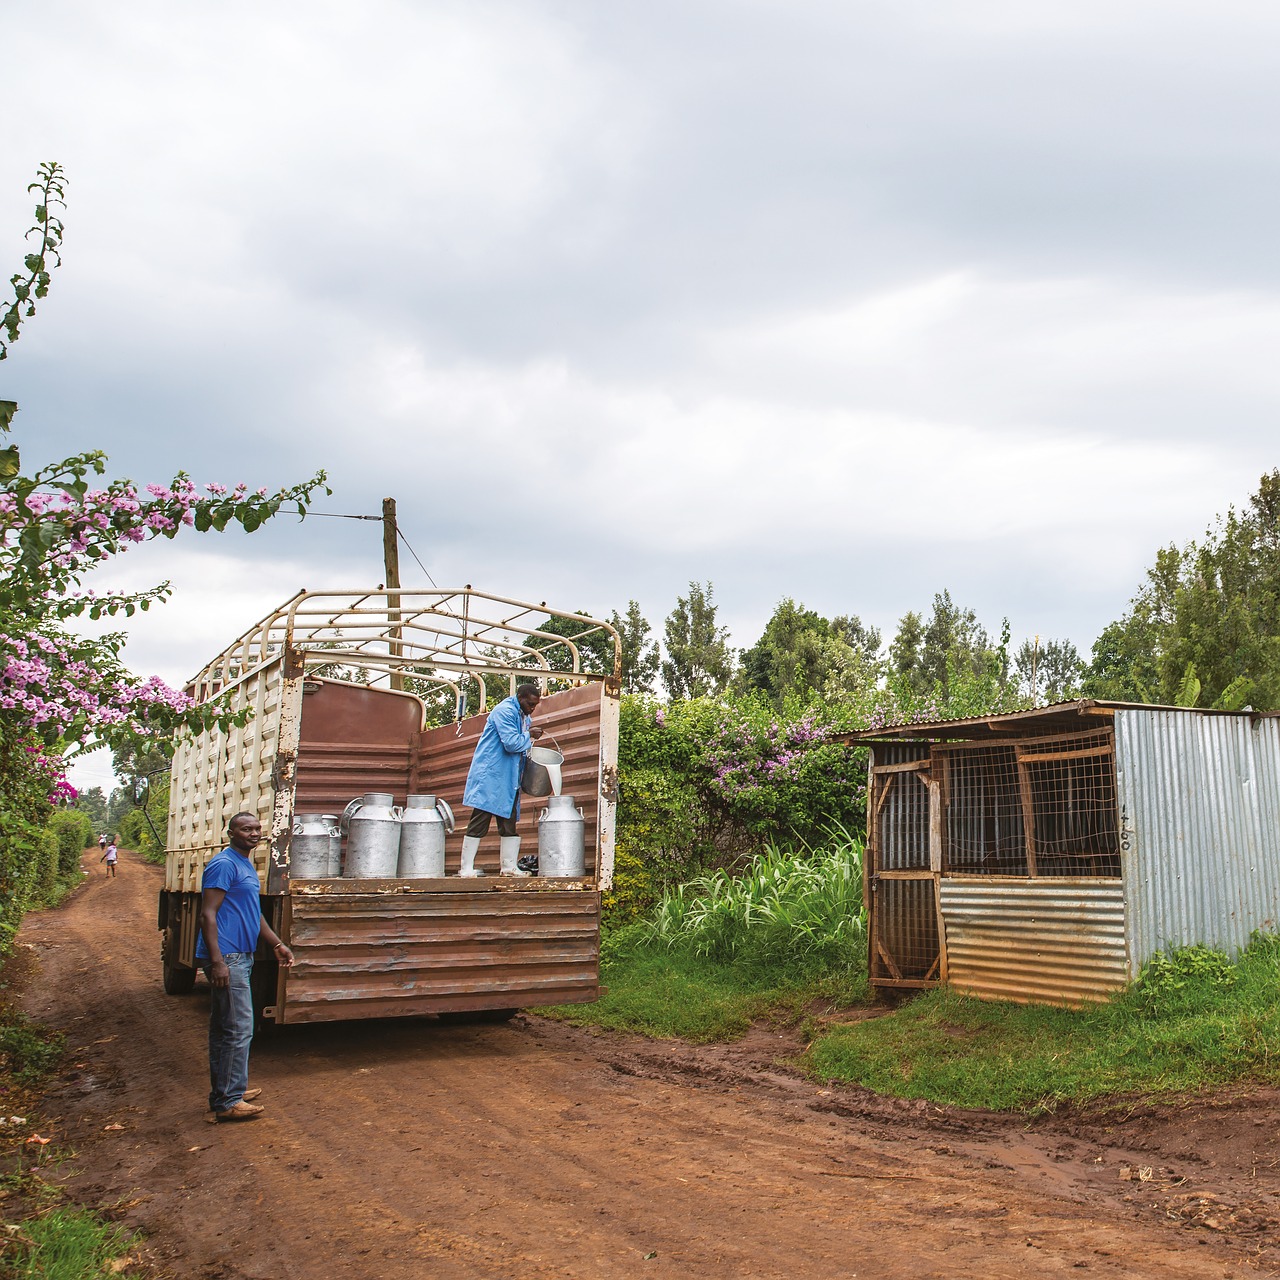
{"x": 414, "y": 1149}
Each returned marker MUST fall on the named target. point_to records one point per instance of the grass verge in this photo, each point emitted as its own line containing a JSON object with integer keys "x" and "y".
{"x": 1193, "y": 1021}
{"x": 41, "y": 1233}
{"x": 673, "y": 993}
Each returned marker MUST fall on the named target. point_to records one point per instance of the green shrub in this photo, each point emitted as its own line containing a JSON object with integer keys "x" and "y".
{"x": 46, "y": 852}
{"x": 632, "y": 892}
{"x": 74, "y": 833}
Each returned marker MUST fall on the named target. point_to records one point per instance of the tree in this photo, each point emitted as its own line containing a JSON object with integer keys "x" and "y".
{"x": 1050, "y": 672}
{"x": 94, "y": 803}
{"x": 640, "y": 658}
{"x": 1204, "y": 628}
{"x": 595, "y": 647}
{"x": 699, "y": 660}
{"x": 927, "y": 656}
{"x": 803, "y": 654}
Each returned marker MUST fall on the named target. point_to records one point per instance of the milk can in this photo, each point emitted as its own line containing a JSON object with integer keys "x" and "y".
{"x": 560, "y": 839}
{"x": 423, "y": 827}
{"x": 373, "y": 837}
{"x": 310, "y": 849}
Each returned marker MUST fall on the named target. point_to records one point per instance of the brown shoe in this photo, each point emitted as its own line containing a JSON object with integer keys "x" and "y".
{"x": 241, "y": 1111}
{"x": 249, "y": 1094}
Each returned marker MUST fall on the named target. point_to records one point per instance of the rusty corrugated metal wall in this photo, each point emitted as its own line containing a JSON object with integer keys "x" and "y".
{"x": 388, "y": 950}
{"x": 354, "y": 740}
{"x": 1199, "y": 799}
{"x": 1053, "y": 940}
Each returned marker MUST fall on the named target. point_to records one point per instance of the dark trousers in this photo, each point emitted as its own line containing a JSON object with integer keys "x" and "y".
{"x": 479, "y": 824}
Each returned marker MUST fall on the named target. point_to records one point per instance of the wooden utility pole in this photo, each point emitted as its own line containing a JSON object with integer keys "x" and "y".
{"x": 391, "y": 563}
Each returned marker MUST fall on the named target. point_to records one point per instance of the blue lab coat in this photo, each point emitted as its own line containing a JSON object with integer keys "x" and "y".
{"x": 493, "y": 781}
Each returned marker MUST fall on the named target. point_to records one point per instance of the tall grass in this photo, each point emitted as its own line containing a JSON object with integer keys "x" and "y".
{"x": 797, "y": 906}
{"x": 725, "y": 950}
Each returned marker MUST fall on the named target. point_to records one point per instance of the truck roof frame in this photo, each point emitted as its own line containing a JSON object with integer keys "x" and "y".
{"x": 437, "y": 637}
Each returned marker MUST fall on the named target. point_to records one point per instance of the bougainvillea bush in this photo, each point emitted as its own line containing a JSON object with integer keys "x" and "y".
{"x": 61, "y": 692}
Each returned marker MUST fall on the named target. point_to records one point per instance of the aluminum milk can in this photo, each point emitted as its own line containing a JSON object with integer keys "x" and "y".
{"x": 373, "y": 837}
{"x": 560, "y": 839}
{"x": 310, "y": 849}
{"x": 423, "y": 826}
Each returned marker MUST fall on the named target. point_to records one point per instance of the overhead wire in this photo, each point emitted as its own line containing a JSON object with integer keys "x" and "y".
{"x": 338, "y": 515}
{"x": 414, "y": 554}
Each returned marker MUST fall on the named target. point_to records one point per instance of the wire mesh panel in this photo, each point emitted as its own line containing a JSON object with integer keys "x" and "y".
{"x": 905, "y": 943}
{"x": 1069, "y": 794}
{"x": 1040, "y": 807}
{"x": 984, "y": 822}
{"x": 903, "y": 823}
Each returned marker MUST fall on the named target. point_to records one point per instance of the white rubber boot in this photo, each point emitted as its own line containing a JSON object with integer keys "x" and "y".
{"x": 470, "y": 847}
{"x": 509, "y": 849}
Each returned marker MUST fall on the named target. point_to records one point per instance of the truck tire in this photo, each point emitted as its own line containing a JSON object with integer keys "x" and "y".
{"x": 178, "y": 979}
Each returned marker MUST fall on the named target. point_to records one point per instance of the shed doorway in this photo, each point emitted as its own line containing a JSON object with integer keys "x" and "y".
{"x": 903, "y": 871}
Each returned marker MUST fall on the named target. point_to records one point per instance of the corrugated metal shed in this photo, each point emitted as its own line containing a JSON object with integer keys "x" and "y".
{"x": 1170, "y": 817}
{"x": 1199, "y": 798}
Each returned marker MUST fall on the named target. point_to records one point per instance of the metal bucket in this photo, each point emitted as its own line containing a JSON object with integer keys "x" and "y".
{"x": 561, "y": 851}
{"x": 311, "y": 846}
{"x": 541, "y": 776}
{"x": 423, "y": 826}
{"x": 373, "y": 837}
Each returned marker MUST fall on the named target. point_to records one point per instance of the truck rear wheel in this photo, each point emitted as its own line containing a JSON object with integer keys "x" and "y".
{"x": 178, "y": 979}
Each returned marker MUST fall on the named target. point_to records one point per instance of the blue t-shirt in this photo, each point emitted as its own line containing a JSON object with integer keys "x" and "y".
{"x": 240, "y": 914}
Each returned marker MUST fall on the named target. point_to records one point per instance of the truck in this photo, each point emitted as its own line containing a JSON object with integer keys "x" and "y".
{"x": 387, "y": 690}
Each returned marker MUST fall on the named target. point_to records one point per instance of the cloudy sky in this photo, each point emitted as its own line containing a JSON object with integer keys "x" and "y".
{"x": 847, "y": 302}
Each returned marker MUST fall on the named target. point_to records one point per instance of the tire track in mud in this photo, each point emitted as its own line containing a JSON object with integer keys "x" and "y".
{"x": 408, "y": 1148}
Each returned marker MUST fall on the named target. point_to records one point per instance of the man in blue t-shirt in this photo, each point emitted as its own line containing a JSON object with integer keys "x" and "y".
{"x": 231, "y": 922}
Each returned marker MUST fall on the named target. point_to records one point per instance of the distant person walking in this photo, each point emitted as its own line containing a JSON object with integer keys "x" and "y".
{"x": 110, "y": 858}
{"x": 231, "y": 922}
{"x": 102, "y": 844}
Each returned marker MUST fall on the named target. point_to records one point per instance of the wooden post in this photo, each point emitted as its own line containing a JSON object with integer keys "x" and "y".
{"x": 391, "y": 563}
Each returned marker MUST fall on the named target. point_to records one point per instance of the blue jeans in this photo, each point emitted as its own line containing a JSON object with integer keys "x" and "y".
{"x": 230, "y": 1031}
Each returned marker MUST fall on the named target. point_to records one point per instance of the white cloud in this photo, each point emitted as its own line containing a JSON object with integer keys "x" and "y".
{"x": 849, "y": 303}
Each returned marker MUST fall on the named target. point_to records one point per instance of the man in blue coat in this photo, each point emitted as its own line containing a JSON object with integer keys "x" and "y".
{"x": 493, "y": 782}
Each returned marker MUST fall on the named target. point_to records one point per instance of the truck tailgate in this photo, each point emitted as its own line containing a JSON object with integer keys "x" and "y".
{"x": 395, "y": 947}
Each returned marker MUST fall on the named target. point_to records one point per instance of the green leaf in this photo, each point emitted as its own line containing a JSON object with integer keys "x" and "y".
{"x": 1189, "y": 689}
{"x": 9, "y": 463}
{"x": 7, "y": 409}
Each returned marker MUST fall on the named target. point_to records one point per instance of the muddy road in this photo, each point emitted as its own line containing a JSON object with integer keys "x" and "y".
{"x": 410, "y": 1148}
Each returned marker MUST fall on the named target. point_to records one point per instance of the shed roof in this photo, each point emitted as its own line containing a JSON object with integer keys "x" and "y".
{"x": 1063, "y": 717}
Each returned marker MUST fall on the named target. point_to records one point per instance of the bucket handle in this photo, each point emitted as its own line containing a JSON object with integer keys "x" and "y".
{"x": 546, "y": 733}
